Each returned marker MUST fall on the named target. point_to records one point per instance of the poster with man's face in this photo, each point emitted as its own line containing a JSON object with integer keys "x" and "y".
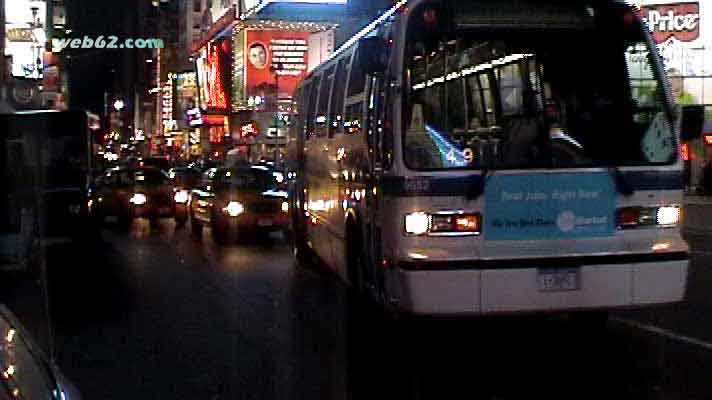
{"x": 275, "y": 58}
{"x": 258, "y": 55}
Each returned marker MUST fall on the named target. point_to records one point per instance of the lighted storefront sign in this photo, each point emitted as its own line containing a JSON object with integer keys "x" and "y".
{"x": 186, "y": 95}
{"x": 678, "y": 20}
{"x": 250, "y": 129}
{"x": 167, "y": 101}
{"x": 684, "y": 40}
{"x": 194, "y": 117}
{"x": 707, "y": 137}
{"x": 275, "y": 58}
{"x": 25, "y": 36}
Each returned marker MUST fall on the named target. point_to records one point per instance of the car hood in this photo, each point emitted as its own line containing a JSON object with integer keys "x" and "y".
{"x": 33, "y": 375}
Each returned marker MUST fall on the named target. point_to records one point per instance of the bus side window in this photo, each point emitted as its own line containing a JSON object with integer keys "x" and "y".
{"x": 337, "y": 98}
{"x": 322, "y": 109}
{"x": 310, "y": 94}
{"x": 356, "y": 96}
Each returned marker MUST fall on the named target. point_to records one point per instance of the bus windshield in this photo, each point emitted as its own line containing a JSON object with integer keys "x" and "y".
{"x": 502, "y": 94}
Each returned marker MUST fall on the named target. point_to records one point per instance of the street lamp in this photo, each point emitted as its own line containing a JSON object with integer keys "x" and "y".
{"x": 119, "y": 105}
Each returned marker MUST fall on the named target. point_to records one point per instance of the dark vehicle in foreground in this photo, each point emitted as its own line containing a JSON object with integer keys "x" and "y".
{"x": 134, "y": 193}
{"x": 27, "y": 372}
{"x": 237, "y": 203}
{"x": 46, "y": 171}
{"x": 184, "y": 179}
{"x": 162, "y": 163}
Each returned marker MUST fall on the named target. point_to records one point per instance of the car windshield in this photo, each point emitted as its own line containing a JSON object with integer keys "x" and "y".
{"x": 249, "y": 179}
{"x": 150, "y": 177}
{"x": 582, "y": 92}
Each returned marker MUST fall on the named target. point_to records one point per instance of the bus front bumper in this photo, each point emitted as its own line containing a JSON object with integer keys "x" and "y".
{"x": 517, "y": 288}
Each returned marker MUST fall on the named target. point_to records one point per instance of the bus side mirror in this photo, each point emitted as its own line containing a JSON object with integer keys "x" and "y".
{"x": 371, "y": 52}
{"x": 693, "y": 121}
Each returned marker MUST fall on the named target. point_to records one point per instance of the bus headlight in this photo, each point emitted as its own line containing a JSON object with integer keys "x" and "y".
{"x": 650, "y": 217}
{"x": 417, "y": 223}
{"x": 234, "y": 208}
{"x": 285, "y": 206}
{"x": 668, "y": 216}
{"x": 138, "y": 199}
{"x": 181, "y": 196}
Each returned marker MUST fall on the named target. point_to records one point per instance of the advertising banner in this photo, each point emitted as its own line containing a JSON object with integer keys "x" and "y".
{"x": 549, "y": 206}
{"x": 186, "y": 95}
{"x": 275, "y": 58}
{"x": 238, "y": 69}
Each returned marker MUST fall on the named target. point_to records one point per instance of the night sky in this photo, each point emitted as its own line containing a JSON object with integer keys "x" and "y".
{"x": 89, "y": 69}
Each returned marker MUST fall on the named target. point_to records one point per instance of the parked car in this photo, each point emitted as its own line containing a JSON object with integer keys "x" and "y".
{"x": 27, "y": 372}
{"x": 184, "y": 179}
{"x": 134, "y": 193}
{"x": 238, "y": 202}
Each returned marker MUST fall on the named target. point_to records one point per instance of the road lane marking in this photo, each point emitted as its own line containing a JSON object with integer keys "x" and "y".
{"x": 664, "y": 332}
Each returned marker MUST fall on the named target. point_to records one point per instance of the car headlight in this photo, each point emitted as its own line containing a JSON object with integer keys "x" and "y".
{"x": 181, "y": 196}
{"x": 285, "y": 206}
{"x": 417, "y": 223}
{"x": 668, "y": 216}
{"x": 278, "y": 176}
{"x": 138, "y": 199}
{"x": 234, "y": 208}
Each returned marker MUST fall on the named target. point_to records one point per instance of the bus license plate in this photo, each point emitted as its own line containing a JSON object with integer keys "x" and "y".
{"x": 264, "y": 222}
{"x": 559, "y": 280}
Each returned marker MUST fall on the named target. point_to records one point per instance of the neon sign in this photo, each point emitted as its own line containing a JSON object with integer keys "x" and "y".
{"x": 215, "y": 79}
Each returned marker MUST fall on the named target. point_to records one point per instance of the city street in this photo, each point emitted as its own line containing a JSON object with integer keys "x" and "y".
{"x": 154, "y": 313}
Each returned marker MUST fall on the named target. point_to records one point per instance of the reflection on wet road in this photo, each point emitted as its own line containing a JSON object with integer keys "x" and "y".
{"x": 154, "y": 313}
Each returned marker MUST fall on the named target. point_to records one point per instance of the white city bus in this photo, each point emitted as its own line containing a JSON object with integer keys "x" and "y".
{"x": 494, "y": 156}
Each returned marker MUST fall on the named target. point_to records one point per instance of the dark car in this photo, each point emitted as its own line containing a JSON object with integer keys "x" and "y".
{"x": 184, "y": 179}
{"x": 238, "y": 202}
{"x": 134, "y": 193}
{"x": 46, "y": 170}
{"x": 27, "y": 371}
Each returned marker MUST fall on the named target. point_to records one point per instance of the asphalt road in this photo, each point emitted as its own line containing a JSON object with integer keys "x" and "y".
{"x": 155, "y": 314}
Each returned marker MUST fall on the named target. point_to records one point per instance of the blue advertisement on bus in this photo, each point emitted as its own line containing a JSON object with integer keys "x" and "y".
{"x": 549, "y": 206}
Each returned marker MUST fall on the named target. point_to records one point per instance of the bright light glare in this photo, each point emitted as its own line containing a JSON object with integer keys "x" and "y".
{"x": 278, "y": 176}
{"x": 285, "y": 206}
{"x": 417, "y": 223}
{"x": 668, "y": 215}
{"x": 234, "y": 209}
{"x": 661, "y": 246}
{"x": 138, "y": 199}
{"x": 10, "y": 335}
{"x": 181, "y": 196}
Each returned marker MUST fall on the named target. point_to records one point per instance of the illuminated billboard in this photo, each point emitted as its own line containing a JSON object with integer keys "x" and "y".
{"x": 212, "y": 65}
{"x": 275, "y": 58}
{"x": 25, "y": 36}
